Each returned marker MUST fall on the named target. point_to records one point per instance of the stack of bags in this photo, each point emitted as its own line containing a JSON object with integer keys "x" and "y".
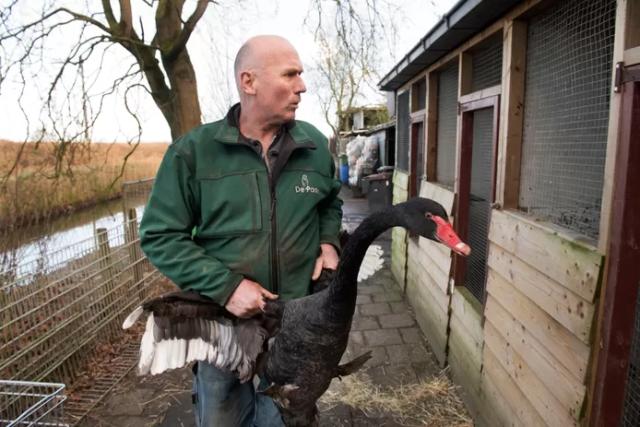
{"x": 362, "y": 154}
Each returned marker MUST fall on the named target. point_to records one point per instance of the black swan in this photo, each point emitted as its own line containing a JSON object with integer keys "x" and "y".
{"x": 309, "y": 334}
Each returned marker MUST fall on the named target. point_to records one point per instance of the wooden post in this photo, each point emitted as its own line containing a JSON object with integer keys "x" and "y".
{"x": 512, "y": 113}
{"x": 465, "y": 76}
{"x": 627, "y": 36}
{"x": 135, "y": 254}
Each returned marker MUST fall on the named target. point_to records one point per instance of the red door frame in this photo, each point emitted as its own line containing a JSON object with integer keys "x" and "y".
{"x": 622, "y": 275}
{"x": 463, "y": 184}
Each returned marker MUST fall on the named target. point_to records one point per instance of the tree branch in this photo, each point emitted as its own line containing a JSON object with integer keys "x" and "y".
{"x": 76, "y": 17}
{"x": 126, "y": 20}
{"x": 108, "y": 13}
{"x": 187, "y": 29}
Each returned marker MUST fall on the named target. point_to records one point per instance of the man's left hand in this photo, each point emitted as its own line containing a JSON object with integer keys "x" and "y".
{"x": 328, "y": 259}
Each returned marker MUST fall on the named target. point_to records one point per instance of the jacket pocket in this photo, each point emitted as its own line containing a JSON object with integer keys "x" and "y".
{"x": 230, "y": 205}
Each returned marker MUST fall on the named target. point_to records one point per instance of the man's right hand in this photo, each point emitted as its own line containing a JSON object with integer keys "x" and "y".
{"x": 248, "y": 299}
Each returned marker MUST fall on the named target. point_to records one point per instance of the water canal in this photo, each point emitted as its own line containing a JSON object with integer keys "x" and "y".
{"x": 35, "y": 249}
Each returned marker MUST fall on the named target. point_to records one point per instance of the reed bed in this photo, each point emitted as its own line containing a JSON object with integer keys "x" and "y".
{"x": 44, "y": 184}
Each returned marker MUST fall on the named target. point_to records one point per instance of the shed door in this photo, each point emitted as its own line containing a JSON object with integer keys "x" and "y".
{"x": 630, "y": 235}
{"x": 476, "y": 190}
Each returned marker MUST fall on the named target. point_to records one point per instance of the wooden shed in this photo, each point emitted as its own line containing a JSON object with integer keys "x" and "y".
{"x": 523, "y": 119}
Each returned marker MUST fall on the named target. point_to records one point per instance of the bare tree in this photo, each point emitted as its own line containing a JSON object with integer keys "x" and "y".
{"x": 353, "y": 37}
{"x": 116, "y": 52}
{"x": 75, "y": 58}
{"x": 220, "y": 31}
{"x": 160, "y": 63}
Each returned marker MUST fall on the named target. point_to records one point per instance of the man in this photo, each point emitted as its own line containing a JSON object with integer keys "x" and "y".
{"x": 246, "y": 209}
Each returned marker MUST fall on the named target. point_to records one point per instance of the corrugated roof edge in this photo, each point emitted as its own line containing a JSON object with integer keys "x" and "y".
{"x": 466, "y": 18}
{"x": 370, "y": 130}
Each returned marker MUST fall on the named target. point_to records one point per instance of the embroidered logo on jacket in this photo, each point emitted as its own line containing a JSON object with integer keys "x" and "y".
{"x": 305, "y": 187}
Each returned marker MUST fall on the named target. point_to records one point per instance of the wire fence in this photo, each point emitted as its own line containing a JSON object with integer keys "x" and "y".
{"x": 55, "y": 312}
{"x": 135, "y": 193}
{"x": 566, "y": 113}
{"x": 402, "y": 140}
{"x": 480, "y": 199}
{"x": 447, "y": 124}
{"x": 486, "y": 60}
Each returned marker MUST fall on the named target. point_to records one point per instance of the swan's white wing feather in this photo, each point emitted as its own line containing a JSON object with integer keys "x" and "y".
{"x": 147, "y": 348}
{"x": 172, "y": 343}
{"x": 371, "y": 263}
{"x": 131, "y": 318}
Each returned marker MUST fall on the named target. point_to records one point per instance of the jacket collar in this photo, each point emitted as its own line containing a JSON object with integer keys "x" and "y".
{"x": 229, "y": 131}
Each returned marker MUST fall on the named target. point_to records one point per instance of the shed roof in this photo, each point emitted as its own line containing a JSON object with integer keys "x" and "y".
{"x": 465, "y": 19}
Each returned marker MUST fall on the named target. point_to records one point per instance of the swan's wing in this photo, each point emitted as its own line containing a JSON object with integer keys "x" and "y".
{"x": 371, "y": 263}
{"x": 170, "y": 343}
{"x": 181, "y": 331}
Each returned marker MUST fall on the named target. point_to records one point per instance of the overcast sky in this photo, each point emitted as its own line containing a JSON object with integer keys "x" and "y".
{"x": 228, "y": 26}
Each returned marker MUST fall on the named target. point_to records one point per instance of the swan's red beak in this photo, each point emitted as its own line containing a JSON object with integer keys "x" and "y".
{"x": 448, "y": 237}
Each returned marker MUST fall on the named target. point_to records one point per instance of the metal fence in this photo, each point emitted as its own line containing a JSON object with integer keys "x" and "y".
{"x": 480, "y": 199}
{"x": 53, "y": 313}
{"x": 135, "y": 193}
{"x": 48, "y": 320}
{"x": 447, "y": 125}
{"x": 566, "y": 113}
{"x": 486, "y": 63}
{"x": 403, "y": 132}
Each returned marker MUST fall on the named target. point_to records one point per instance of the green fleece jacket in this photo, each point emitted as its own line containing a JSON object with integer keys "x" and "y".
{"x": 217, "y": 215}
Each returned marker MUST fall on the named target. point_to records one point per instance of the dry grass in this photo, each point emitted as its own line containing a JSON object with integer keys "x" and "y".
{"x": 40, "y": 186}
{"x": 433, "y": 402}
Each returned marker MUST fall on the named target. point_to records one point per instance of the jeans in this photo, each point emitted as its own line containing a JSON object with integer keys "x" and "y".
{"x": 222, "y": 401}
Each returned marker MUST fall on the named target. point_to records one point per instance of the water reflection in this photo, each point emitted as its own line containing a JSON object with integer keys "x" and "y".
{"x": 43, "y": 248}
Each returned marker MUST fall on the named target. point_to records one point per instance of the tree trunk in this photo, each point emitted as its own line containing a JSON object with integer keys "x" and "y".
{"x": 184, "y": 111}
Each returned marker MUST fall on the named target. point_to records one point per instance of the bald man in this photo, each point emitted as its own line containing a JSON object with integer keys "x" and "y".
{"x": 246, "y": 209}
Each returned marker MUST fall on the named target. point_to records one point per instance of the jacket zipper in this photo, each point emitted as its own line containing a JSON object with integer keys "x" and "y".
{"x": 274, "y": 225}
{"x": 274, "y": 229}
{"x": 274, "y": 247}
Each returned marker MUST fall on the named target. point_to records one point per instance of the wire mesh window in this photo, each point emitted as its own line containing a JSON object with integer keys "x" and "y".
{"x": 447, "y": 122}
{"x": 631, "y": 408}
{"x": 419, "y": 95}
{"x": 402, "y": 141}
{"x": 569, "y": 59}
{"x": 486, "y": 63}
{"x": 480, "y": 200}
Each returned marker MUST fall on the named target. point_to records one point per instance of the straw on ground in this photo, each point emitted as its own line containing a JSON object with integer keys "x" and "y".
{"x": 432, "y": 402}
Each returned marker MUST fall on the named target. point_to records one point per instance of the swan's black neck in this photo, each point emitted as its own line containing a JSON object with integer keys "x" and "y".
{"x": 344, "y": 289}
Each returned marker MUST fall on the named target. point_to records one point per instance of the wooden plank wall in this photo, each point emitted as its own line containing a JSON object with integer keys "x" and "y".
{"x": 398, "y": 234}
{"x": 541, "y": 291}
{"x": 428, "y": 265}
{"x": 522, "y": 358}
{"x": 466, "y": 341}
